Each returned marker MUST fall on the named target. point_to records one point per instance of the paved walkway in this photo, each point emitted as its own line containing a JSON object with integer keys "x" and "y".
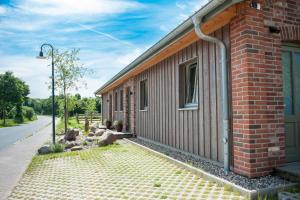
{"x": 15, "y": 158}
{"x": 121, "y": 171}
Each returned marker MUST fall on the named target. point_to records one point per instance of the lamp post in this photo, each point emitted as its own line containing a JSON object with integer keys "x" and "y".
{"x": 41, "y": 56}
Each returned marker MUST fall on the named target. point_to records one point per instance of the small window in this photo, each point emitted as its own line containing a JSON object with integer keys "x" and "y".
{"x": 143, "y": 95}
{"x": 121, "y": 100}
{"x": 116, "y": 101}
{"x": 188, "y": 85}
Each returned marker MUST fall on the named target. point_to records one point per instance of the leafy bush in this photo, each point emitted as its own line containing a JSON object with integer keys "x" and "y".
{"x": 28, "y": 112}
{"x": 57, "y": 148}
{"x": 19, "y": 117}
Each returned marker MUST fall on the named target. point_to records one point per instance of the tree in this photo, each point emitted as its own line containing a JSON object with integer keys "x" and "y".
{"x": 68, "y": 72}
{"x": 90, "y": 107}
{"x": 13, "y": 92}
{"x": 98, "y": 104}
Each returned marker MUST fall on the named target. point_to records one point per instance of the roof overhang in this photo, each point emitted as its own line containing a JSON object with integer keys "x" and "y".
{"x": 181, "y": 37}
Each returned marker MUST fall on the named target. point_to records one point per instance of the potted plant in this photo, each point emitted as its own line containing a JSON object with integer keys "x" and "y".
{"x": 108, "y": 124}
{"x": 118, "y": 125}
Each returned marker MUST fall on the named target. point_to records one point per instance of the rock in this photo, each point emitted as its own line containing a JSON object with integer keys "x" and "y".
{"x": 90, "y": 139}
{"x": 91, "y": 134}
{"x": 61, "y": 140}
{"x": 44, "y": 150}
{"x": 70, "y": 135}
{"x": 93, "y": 129}
{"x": 70, "y": 144}
{"x": 76, "y": 148}
{"x": 102, "y": 127}
{"x": 99, "y": 132}
{"x": 77, "y": 131}
{"x": 106, "y": 139}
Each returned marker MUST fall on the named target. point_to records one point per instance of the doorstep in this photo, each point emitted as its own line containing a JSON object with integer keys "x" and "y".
{"x": 290, "y": 171}
{"x": 121, "y": 135}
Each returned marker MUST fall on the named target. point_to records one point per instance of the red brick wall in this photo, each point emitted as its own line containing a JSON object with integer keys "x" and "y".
{"x": 130, "y": 84}
{"x": 257, "y": 84}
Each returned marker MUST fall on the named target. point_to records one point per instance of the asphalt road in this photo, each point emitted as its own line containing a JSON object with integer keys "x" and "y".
{"x": 11, "y": 135}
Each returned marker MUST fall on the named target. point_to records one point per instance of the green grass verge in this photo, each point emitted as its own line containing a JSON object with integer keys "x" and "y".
{"x": 12, "y": 122}
{"x": 72, "y": 123}
{"x": 84, "y": 155}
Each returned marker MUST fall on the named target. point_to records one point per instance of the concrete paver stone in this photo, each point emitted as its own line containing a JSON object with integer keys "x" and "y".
{"x": 121, "y": 171}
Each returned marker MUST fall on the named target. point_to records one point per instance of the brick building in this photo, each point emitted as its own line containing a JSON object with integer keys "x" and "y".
{"x": 178, "y": 91}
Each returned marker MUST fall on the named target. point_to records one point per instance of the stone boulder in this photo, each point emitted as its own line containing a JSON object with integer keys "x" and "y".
{"x": 44, "y": 150}
{"x": 70, "y": 144}
{"x": 90, "y": 139}
{"x": 70, "y": 135}
{"x": 93, "y": 129}
{"x": 77, "y": 131}
{"x": 76, "y": 148}
{"x": 61, "y": 140}
{"x": 99, "y": 132}
{"x": 102, "y": 127}
{"x": 91, "y": 134}
{"x": 106, "y": 139}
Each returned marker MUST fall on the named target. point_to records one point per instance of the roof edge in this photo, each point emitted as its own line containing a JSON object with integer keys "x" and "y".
{"x": 170, "y": 37}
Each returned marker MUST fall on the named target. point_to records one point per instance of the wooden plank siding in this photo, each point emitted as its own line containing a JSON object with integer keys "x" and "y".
{"x": 197, "y": 131}
{"x": 194, "y": 131}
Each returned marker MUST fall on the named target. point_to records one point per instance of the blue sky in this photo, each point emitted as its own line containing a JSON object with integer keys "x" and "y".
{"x": 109, "y": 33}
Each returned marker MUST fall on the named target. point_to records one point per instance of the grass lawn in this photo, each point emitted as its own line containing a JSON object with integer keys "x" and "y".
{"x": 12, "y": 122}
{"x": 72, "y": 123}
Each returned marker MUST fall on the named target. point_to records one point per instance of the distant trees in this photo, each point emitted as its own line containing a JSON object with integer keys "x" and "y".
{"x": 76, "y": 105}
{"x": 13, "y": 92}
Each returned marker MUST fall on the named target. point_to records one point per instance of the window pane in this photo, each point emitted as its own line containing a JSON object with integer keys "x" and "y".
{"x": 143, "y": 95}
{"x": 121, "y": 100}
{"x": 116, "y": 101}
{"x": 297, "y": 82}
{"x": 287, "y": 88}
{"x": 191, "y": 84}
{"x": 146, "y": 94}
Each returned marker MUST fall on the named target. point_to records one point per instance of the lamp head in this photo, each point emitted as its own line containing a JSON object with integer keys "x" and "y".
{"x": 41, "y": 55}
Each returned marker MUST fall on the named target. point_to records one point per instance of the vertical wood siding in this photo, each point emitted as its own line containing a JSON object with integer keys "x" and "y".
{"x": 195, "y": 131}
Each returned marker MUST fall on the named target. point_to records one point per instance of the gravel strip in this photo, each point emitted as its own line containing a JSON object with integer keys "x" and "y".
{"x": 269, "y": 181}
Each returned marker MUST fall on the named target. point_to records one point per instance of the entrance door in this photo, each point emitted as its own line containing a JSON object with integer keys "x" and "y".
{"x": 291, "y": 88}
{"x": 128, "y": 111}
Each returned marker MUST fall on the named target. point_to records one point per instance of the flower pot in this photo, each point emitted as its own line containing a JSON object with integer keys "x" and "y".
{"x": 108, "y": 124}
{"x": 119, "y": 127}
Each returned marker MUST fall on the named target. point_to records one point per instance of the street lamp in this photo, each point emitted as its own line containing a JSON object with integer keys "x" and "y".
{"x": 41, "y": 56}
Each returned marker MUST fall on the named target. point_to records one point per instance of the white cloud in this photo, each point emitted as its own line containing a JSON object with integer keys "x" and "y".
{"x": 78, "y": 7}
{"x": 89, "y": 86}
{"x": 181, "y": 6}
{"x": 33, "y": 71}
{"x": 127, "y": 58}
{"x": 24, "y": 25}
{"x": 36, "y": 73}
{"x": 164, "y": 28}
{"x": 2, "y": 10}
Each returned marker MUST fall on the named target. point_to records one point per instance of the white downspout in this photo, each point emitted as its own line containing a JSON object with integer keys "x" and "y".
{"x": 197, "y": 20}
